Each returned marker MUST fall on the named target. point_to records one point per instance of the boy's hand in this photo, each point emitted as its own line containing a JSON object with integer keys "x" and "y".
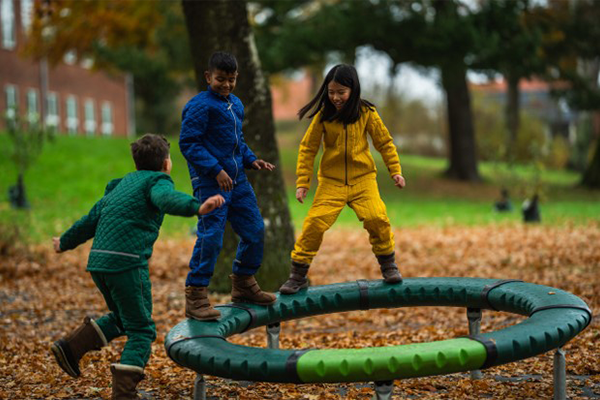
{"x": 210, "y": 204}
{"x": 399, "y": 181}
{"x": 262, "y": 164}
{"x": 301, "y": 194}
{"x": 56, "y": 243}
{"x": 224, "y": 181}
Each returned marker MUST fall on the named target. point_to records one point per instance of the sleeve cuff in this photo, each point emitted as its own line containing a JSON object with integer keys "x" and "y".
{"x": 194, "y": 207}
{"x": 214, "y": 171}
{"x": 304, "y": 183}
{"x": 395, "y": 169}
{"x": 250, "y": 160}
{"x": 62, "y": 246}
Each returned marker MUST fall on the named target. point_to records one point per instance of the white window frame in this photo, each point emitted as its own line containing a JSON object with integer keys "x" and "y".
{"x": 52, "y": 111}
{"x": 27, "y": 7}
{"x": 70, "y": 57}
{"x": 33, "y": 106}
{"x": 9, "y": 31}
{"x": 72, "y": 122}
{"x": 11, "y": 96}
{"x": 89, "y": 114}
{"x": 107, "y": 118}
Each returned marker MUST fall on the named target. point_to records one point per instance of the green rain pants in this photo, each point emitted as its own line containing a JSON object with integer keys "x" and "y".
{"x": 128, "y": 296}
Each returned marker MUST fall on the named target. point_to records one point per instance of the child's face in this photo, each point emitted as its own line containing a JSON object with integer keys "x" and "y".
{"x": 167, "y": 165}
{"x": 338, "y": 94}
{"x": 220, "y": 81}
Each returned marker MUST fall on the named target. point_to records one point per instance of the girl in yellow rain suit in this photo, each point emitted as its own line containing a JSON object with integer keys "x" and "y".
{"x": 347, "y": 173}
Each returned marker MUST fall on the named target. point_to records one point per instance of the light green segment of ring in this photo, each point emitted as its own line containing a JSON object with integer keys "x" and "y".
{"x": 393, "y": 362}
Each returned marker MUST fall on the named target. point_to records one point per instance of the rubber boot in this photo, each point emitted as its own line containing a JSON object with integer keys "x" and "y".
{"x": 245, "y": 289}
{"x": 125, "y": 379}
{"x": 69, "y": 350}
{"x": 389, "y": 269}
{"x": 197, "y": 305}
{"x": 297, "y": 279}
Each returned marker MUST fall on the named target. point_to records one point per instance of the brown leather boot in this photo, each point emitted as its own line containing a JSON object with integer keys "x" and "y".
{"x": 197, "y": 305}
{"x": 245, "y": 289}
{"x": 297, "y": 279}
{"x": 69, "y": 350}
{"x": 125, "y": 379}
{"x": 389, "y": 269}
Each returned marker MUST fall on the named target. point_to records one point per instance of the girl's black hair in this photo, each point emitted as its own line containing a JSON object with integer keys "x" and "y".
{"x": 345, "y": 75}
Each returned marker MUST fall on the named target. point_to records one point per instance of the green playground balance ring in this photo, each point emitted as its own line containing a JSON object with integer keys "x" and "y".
{"x": 555, "y": 317}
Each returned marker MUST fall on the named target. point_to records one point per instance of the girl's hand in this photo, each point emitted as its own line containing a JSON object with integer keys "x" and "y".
{"x": 301, "y": 194}
{"x": 211, "y": 203}
{"x": 224, "y": 181}
{"x": 399, "y": 181}
{"x": 56, "y": 243}
{"x": 260, "y": 164}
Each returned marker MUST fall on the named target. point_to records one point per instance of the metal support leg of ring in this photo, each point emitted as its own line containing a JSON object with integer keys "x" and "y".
{"x": 560, "y": 375}
{"x": 474, "y": 317}
{"x": 273, "y": 335}
{"x": 383, "y": 390}
{"x": 199, "y": 388}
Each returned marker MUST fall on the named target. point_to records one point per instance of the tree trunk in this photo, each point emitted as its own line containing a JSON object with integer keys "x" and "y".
{"x": 223, "y": 25}
{"x": 463, "y": 158}
{"x": 591, "y": 176}
{"x": 512, "y": 115}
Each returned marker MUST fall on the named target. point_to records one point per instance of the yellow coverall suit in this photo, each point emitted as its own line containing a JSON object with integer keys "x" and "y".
{"x": 347, "y": 175}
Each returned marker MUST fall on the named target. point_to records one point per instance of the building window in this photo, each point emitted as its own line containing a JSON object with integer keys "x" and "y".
{"x": 70, "y": 57}
{"x": 11, "y": 101}
{"x": 33, "y": 110}
{"x": 52, "y": 117}
{"x": 26, "y": 14}
{"x": 72, "y": 119}
{"x": 90, "y": 117}
{"x": 107, "y": 120}
{"x": 7, "y": 11}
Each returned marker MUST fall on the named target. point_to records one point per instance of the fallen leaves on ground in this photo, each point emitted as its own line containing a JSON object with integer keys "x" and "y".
{"x": 45, "y": 296}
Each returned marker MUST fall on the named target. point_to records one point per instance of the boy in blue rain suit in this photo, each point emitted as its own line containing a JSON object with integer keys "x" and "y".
{"x": 212, "y": 142}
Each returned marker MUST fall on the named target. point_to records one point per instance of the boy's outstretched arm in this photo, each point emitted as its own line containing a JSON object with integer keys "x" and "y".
{"x": 81, "y": 231}
{"x": 170, "y": 201}
{"x": 248, "y": 156}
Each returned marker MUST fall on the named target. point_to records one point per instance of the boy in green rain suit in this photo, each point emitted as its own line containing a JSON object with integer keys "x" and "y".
{"x": 125, "y": 224}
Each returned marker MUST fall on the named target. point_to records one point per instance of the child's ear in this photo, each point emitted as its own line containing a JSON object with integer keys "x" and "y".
{"x": 166, "y": 167}
{"x": 207, "y": 76}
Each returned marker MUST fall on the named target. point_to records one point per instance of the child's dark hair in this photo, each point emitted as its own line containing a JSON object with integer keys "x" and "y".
{"x": 150, "y": 151}
{"x": 224, "y": 61}
{"x": 345, "y": 75}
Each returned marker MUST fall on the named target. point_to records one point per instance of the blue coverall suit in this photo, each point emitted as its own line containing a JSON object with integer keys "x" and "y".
{"x": 211, "y": 140}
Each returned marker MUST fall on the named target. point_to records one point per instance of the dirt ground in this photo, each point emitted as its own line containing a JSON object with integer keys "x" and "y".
{"x": 44, "y": 295}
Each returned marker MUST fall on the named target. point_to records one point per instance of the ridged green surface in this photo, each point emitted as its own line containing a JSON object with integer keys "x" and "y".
{"x": 387, "y": 363}
{"x": 214, "y": 356}
{"x": 544, "y": 331}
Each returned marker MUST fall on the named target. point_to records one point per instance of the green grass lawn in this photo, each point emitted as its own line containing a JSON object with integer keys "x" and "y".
{"x": 72, "y": 172}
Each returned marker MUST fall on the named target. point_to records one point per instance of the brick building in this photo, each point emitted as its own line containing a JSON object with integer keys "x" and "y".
{"x": 69, "y": 97}
{"x": 290, "y": 94}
